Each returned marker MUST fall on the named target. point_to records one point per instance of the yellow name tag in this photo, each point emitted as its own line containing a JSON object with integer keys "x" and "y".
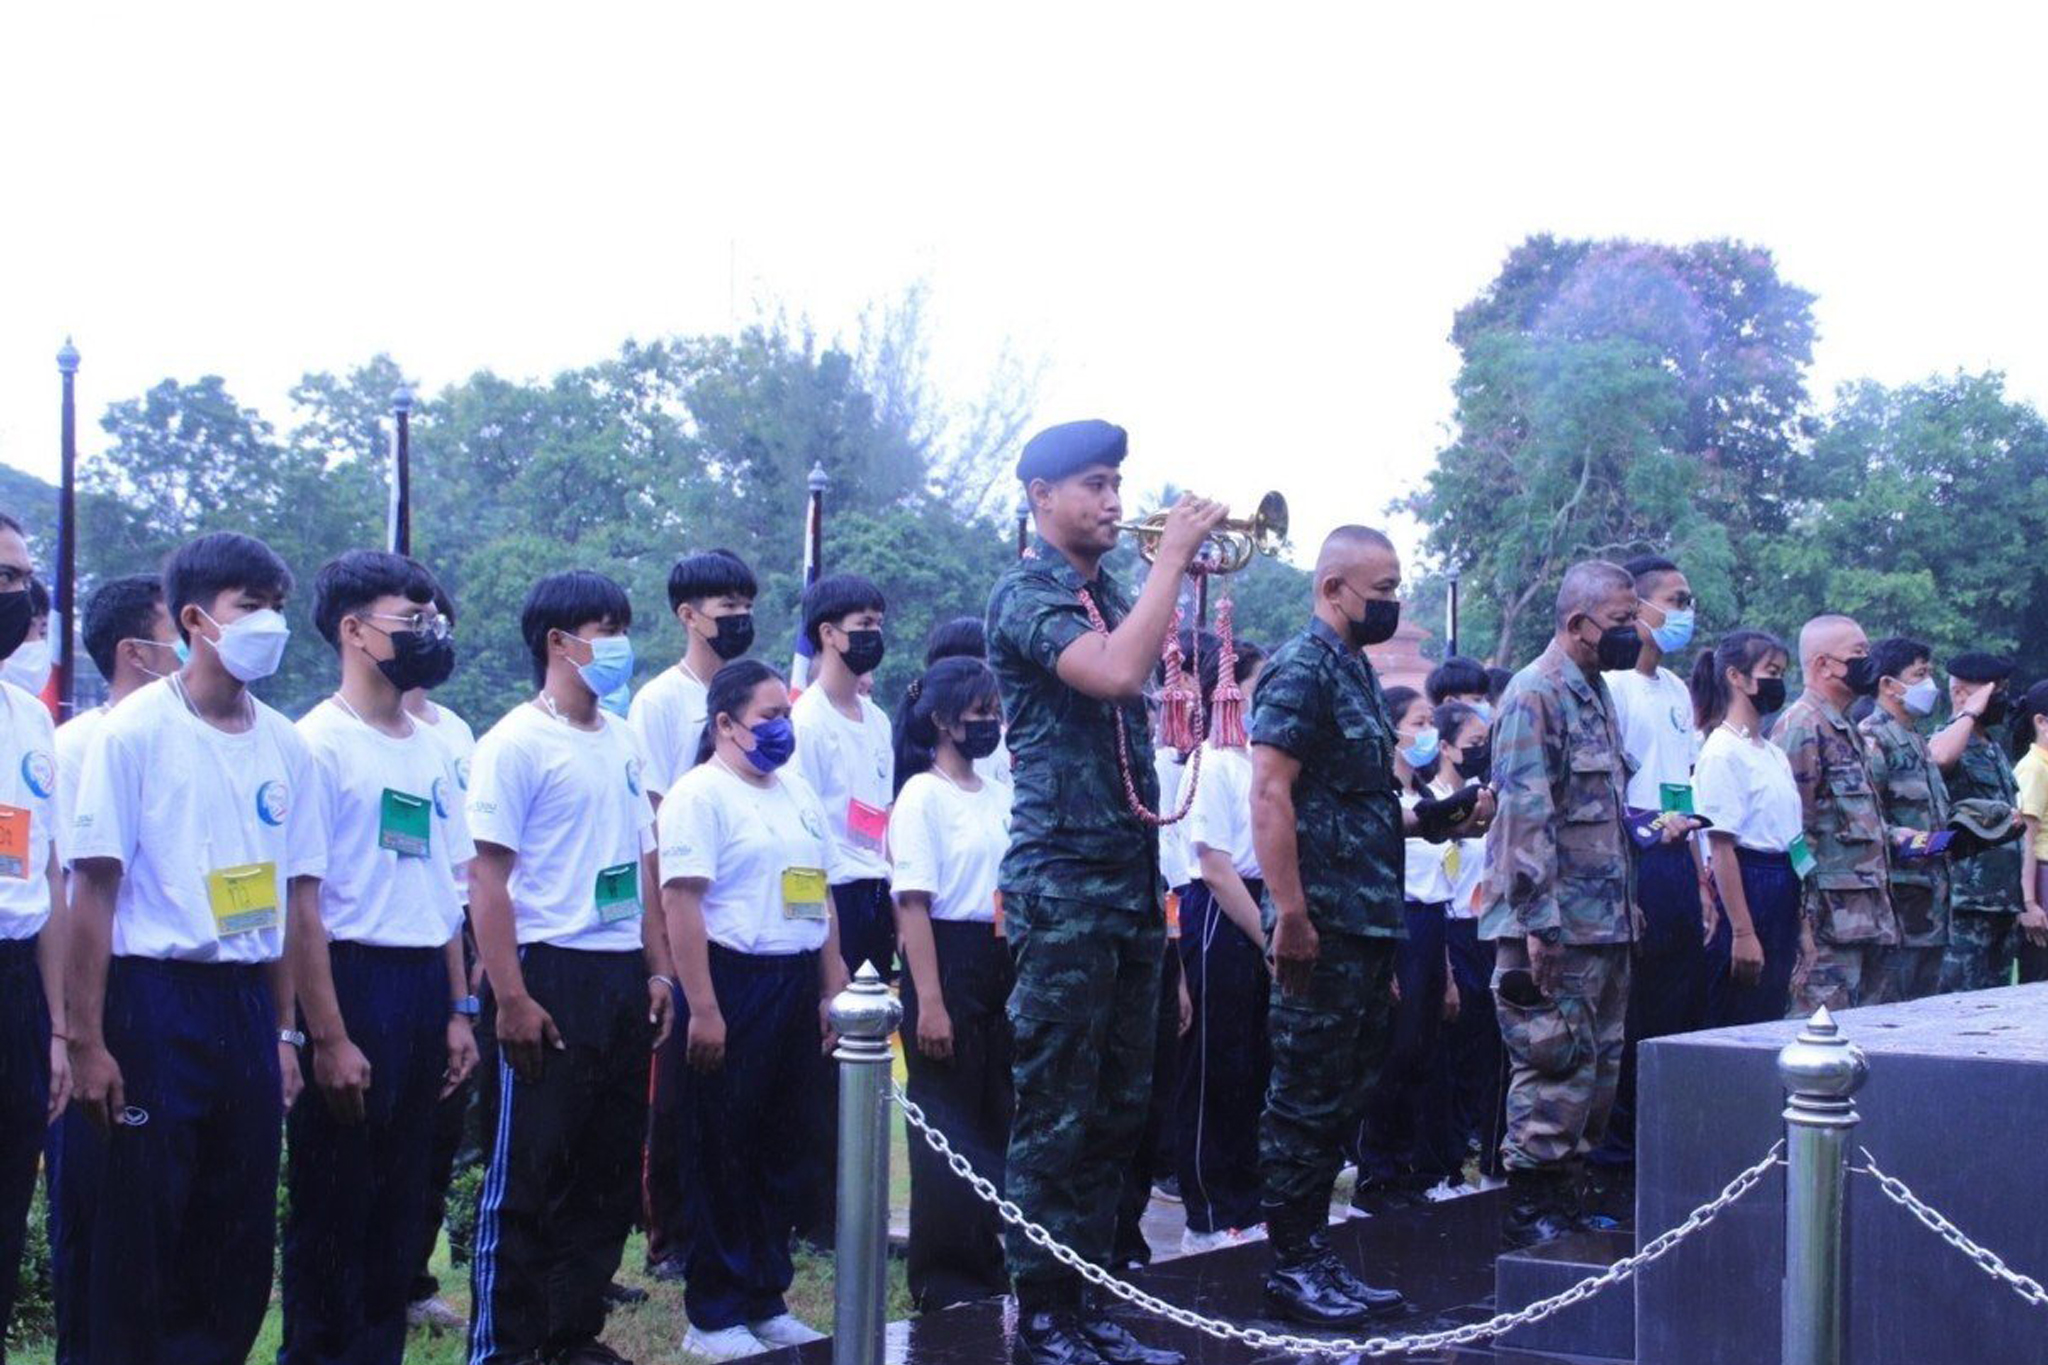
{"x": 1451, "y": 861}
{"x": 244, "y": 899}
{"x": 803, "y": 893}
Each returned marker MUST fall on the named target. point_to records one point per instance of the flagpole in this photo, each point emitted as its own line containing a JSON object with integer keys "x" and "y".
{"x": 400, "y": 525}
{"x": 814, "y": 558}
{"x": 67, "y": 532}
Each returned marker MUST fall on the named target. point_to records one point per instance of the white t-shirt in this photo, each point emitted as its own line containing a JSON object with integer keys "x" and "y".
{"x": 669, "y": 714}
{"x": 374, "y": 894}
{"x": 1176, "y": 857}
{"x": 174, "y": 799}
{"x": 948, "y": 843}
{"x": 1426, "y": 877}
{"x": 1745, "y": 786}
{"x": 756, "y": 847}
{"x": 569, "y": 803}
{"x": 452, "y": 732}
{"x": 845, "y": 761}
{"x": 1656, "y": 730}
{"x": 1221, "y": 817}
{"x": 73, "y": 737}
{"x": 1468, "y": 873}
{"x": 29, "y": 785}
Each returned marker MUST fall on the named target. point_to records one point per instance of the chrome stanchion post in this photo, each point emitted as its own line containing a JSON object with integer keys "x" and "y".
{"x": 1820, "y": 1069}
{"x": 863, "y": 1015}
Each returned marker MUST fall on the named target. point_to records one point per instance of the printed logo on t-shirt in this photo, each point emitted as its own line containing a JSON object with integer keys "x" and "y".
{"x": 273, "y": 802}
{"x": 440, "y": 794}
{"x": 1680, "y": 721}
{"x": 39, "y": 772}
{"x": 882, "y": 767}
{"x": 813, "y": 826}
{"x": 462, "y": 774}
{"x": 633, "y": 776}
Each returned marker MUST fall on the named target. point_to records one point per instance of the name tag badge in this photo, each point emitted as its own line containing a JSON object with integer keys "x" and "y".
{"x": 1173, "y": 914}
{"x": 1675, "y": 798}
{"x": 999, "y": 915}
{"x": 866, "y": 827}
{"x": 14, "y": 828}
{"x": 243, "y": 899}
{"x": 803, "y": 893}
{"x": 1451, "y": 861}
{"x": 405, "y": 824}
{"x": 618, "y": 893}
{"x": 1803, "y": 861}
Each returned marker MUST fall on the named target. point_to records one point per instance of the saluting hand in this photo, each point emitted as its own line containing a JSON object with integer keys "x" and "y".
{"x": 526, "y": 1032}
{"x": 1294, "y": 949}
{"x": 343, "y": 1074}
{"x": 1188, "y": 524}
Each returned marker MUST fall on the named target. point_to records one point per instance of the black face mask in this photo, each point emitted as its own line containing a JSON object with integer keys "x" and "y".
{"x": 735, "y": 636}
{"x": 1476, "y": 762}
{"x": 1620, "y": 647}
{"x": 980, "y": 738}
{"x": 1382, "y": 618}
{"x": 418, "y": 660}
{"x": 1769, "y": 696}
{"x": 14, "y": 621}
{"x": 1862, "y": 677}
{"x": 863, "y": 652}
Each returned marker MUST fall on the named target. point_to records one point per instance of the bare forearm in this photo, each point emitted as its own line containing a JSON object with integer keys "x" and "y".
{"x": 311, "y": 971}
{"x": 689, "y": 947}
{"x": 90, "y": 948}
{"x": 1728, "y": 880}
{"x": 653, "y": 929}
{"x": 497, "y": 940}
{"x": 458, "y": 971}
{"x": 1277, "y": 841}
{"x": 52, "y": 948}
{"x": 914, "y": 934}
{"x": 277, "y": 974}
{"x": 1233, "y": 897}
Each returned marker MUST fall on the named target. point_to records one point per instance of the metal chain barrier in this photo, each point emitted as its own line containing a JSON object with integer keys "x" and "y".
{"x": 1371, "y": 1346}
{"x": 1984, "y": 1258}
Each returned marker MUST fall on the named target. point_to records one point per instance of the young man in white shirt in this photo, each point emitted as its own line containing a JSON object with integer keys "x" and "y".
{"x": 196, "y": 837}
{"x": 1653, "y": 711}
{"x": 34, "y": 1067}
{"x": 579, "y": 977}
{"x": 379, "y": 973}
{"x": 129, "y": 638}
{"x": 712, "y": 596}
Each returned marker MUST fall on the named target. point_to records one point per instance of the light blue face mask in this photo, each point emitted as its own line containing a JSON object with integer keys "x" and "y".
{"x": 1421, "y": 752}
{"x": 1676, "y": 632}
{"x": 1921, "y": 696}
{"x": 1484, "y": 710}
{"x": 611, "y": 664}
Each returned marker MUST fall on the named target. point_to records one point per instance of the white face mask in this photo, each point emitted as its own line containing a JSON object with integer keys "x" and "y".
{"x": 29, "y": 666}
{"x": 251, "y": 647}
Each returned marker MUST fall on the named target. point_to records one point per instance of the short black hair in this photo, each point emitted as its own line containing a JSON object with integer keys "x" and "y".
{"x": 38, "y": 598}
{"x": 1646, "y": 567}
{"x": 727, "y": 694}
{"x": 119, "y": 609}
{"x": 1894, "y": 654}
{"x": 356, "y": 578}
{"x": 201, "y": 570}
{"x": 963, "y": 637}
{"x": 710, "y": 573}
{"x": 1457, "y": 676}
{"x": 564, "y": 601}
{"x": 831, "y": 600}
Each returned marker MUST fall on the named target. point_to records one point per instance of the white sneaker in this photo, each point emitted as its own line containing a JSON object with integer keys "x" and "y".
{"x": 1255, "y": 1233}
{"x": 1444, "y": 1190}
{"x": 727, "y": 1343}
{"x": 1194, "y": 1243}
{"x": 784, "y": 1330}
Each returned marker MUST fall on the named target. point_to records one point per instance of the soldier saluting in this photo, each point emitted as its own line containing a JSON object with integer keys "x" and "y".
{"x": 1080, "y": 899}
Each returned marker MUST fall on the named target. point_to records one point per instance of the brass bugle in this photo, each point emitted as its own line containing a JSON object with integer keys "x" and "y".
{"x": 1232, "y": 544}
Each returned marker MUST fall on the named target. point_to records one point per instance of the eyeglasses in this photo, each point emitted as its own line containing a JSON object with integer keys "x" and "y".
{"x": 431, "y": 624}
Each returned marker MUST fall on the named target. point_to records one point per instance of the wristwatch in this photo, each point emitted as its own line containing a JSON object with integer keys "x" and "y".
{"x": 292, "y": 1036}
{"x": 1553, "y": 936}
{"x": 469, "y": 1007}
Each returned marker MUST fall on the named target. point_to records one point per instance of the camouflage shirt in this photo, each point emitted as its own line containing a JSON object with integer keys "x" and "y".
{"x": 1072, "y": 832}
{"x": 1846, "y": 897}
{"x": 1910, "y": 791}
{"x": 1559, "y": 854}
{"x": 1319, "y": 702}
{"x": 1989, "y": 882}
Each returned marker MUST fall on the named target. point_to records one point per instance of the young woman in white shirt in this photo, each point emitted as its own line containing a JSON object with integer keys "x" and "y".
{"x": 1743, "y": 784}
{"x": 745, "y": 849}
{"x": 1470, "y": 1057}
{"x": 947, "y": 838}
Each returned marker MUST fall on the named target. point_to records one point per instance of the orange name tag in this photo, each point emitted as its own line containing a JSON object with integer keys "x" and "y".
{"x": 999, "y": 914}
{"x": 1173, "y": 914}
{"x": 866, "y": 827}
{"x": 14, "y": 826}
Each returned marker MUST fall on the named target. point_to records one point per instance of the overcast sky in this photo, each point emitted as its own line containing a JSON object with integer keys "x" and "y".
{"x": 1241, "y": 231}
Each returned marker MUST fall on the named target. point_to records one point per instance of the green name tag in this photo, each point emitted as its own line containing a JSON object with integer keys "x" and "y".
{"x": 618, "y": 893}
{"x": 405, "y": 824}
{"x": 1675, "y": 798}
{"x": 1803, "y": 861}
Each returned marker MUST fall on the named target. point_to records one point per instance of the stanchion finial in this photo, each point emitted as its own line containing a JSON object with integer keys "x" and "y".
{"x": 865, "y": 1009}
{"x": 1821, "y": 1061}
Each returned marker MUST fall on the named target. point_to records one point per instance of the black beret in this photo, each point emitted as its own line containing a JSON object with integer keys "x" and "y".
{"x": 1980, "y": 668}
{"x": 1070, "y": 448}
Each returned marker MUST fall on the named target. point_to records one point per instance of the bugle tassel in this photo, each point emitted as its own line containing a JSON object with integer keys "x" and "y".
{"x": 1226, "y": 723}
{"x": 1177, "y": 699}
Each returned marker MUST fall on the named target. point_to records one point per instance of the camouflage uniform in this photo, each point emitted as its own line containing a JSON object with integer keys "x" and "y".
{"x": 1845, "y": 901}
{"x": 1084, "y": 918}
{"x": 1559, "y": 856}
{"x": 1319, "y": 702}
{"x": 1911, "y": 795}
{"x": 1984, "y": 890}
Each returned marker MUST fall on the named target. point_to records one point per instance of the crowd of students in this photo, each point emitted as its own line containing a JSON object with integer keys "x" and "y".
{"x": 617, "y": 936}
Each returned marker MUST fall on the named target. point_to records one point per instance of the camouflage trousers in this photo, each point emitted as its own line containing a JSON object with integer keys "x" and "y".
{"x": 1841, "y": 976}
{"x": 1912, "y": 973}
{"x": 1328, "y": 1044}
{"x": 1564, "y": 1055}
{"x": 1981, "y": 951}
{"x": 1084, "y": 1013}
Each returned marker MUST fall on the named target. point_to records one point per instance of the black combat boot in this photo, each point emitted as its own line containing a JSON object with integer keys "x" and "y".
{"x": 1378, "y": 1302}
{"x": 1299, "y": 1287}
{"x": 1049, "y": 1327}
{"x": 1117, "y": 1346}
{"x": 1538, "y": 1209}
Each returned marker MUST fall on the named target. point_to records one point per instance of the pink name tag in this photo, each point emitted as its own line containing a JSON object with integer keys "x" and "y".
{"x": 866, "y": 827}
